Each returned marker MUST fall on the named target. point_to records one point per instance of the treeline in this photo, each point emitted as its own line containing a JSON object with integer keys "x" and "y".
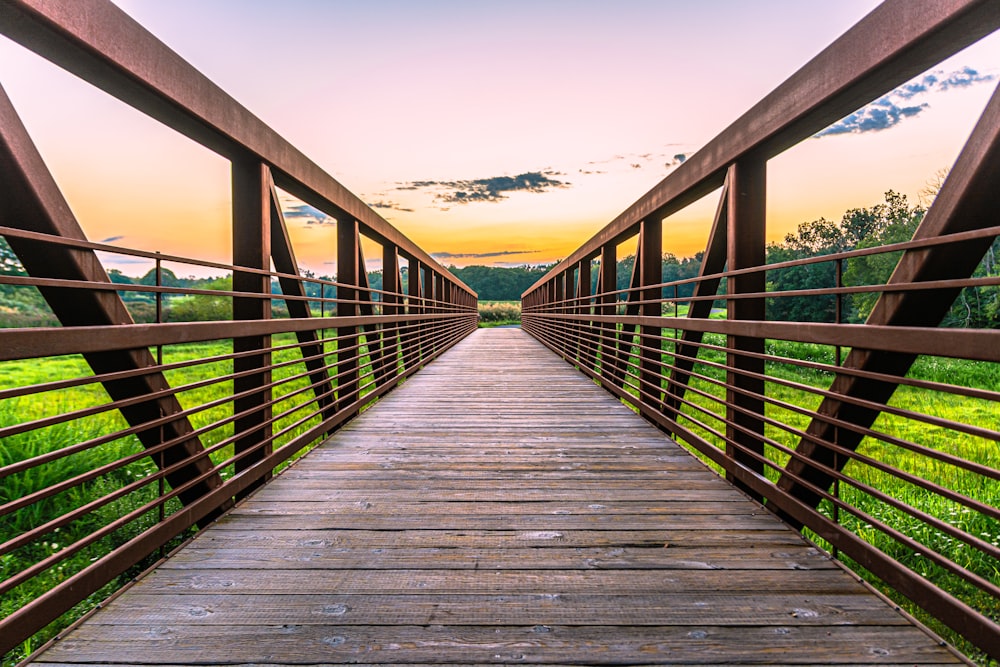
{"x": 24, "y": 306}
{"x": 892, "y": 221}
{"x": 495, "y": 283}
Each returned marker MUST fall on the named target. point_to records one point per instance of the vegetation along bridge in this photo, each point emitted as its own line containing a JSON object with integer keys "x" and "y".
{"x": 686, "y": 475}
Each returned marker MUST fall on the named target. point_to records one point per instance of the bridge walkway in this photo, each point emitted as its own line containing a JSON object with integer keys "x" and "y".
{"x": 499, "y": 507}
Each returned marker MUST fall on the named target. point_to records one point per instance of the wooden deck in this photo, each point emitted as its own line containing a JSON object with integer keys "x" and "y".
{"x": 498, "y": 508}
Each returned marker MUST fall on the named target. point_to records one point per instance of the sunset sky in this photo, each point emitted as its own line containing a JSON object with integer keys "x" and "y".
{"x": 489, "y": 133}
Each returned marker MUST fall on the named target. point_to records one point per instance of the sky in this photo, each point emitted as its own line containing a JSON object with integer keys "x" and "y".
{"x": 488, "y": 133}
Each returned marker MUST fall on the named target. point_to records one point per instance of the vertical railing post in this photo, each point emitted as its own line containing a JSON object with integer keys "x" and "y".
{"x": 414, "y": 289}
{"x": 348, "y": 350}
{"x": 251, "y": 249}
{"x": 651, "y": 275}
{"x": 560, "y": 294}
{"x": 390, "y": 307}
{"x": 583, "y": 309}
{"x": 433, "y": 293}
{"x": 592, "y": 308}
{"x": 609, "y": 300}
{"x": 746, "y": 248}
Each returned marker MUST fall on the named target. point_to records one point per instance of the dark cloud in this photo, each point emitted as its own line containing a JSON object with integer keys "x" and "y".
{"x": 889, "y": 110}
{"x": 879, "y": 115}
{"x": 964, "y": 78}
{"x": 111, "y": 239}
{"x": 310, "y": 214}
{"x": 390, "y": 205}
{"x": 680, "y": 158}
{"x": 479, "y": 255}
{"x": 488, "y": 189}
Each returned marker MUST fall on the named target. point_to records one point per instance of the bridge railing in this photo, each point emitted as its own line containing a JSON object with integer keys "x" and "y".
{"x": 123, "y": 425}
{"x": 879, "y": 438}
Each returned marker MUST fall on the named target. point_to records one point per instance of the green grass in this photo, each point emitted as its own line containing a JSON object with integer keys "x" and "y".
{"x": 499, "y": 313}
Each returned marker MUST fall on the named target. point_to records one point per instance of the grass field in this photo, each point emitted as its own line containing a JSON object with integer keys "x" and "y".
{"x": 499, "y": 313}
{"x": 130, "y": 479}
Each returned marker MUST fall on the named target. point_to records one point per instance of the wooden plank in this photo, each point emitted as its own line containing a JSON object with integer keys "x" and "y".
{"x": 513, "y": 582}
{"x": 466, "y": 519}
{"x": 499, "y": 558}
{"x": 510, "y": 507}
{"x": 537, "y": 644}
{"x": 542, "y": 522}
{"x": 230, "y": 535}
{"x": 683, "y": 609}
{"x": 321, "y": 491}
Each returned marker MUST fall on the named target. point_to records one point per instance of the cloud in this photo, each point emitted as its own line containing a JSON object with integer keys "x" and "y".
{"x": 492, "y": 189}
{"x": 480, "y": 255}
{"x": 889, "y": 110}
{"x": 113, "y": 259}
{"x": 390, "y": 205}
{"x": 880, "y": 115}
{"x": 634, "y": 161}
{"x": 111, "y": 239}
{"x": 310, "y": 214}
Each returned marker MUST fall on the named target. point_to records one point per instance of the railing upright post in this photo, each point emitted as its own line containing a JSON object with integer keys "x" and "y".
{"x": 252, "y": 249}
{"x": 411, "y": 349}
{"x": 390, "y": 307}
{"x": 434, "y": 286}
{"x": 348, "y": 349}
{"x": 651, "y": 275}
{"x": 586, "y": 357}
{"x": 746, "y": 248}
{"x": 608, "y": 307}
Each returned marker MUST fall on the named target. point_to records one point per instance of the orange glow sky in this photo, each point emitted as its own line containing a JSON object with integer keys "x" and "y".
{"x": 407, "y": 103}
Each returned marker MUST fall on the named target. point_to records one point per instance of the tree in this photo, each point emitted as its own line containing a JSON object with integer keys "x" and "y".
{"x": 10, "y": 265}
{"x": 888, "y": 222}
{"x": 892, "y": 222}
{"x": 167, "y": 278}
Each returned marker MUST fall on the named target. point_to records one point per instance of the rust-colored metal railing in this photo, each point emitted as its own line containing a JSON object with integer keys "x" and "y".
{"x": 840, "y": 428}
{"x": 119, "y": 438}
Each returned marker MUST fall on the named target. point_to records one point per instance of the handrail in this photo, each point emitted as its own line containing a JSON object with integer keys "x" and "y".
{"x": 831, "y": 424}
{"x": 161, "y": 423}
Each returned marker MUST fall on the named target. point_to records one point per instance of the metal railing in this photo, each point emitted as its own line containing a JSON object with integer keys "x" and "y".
{"x": 123, "y": 429}
{"x": 846, "y": 430}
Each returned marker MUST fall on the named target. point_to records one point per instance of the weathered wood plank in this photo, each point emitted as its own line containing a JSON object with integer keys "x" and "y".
{"x": 546, "y": 609}
{"x": 741, "y": 541}
{"x": 560, "y": 558}
{"x": 537, "y": 644}
{"x": 535, "y": 522}
{"x": 522, "y": 582}
{"x": 376, "y": 507}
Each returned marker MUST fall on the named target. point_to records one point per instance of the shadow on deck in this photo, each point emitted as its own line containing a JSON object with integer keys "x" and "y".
{"x": 498, "y": 508}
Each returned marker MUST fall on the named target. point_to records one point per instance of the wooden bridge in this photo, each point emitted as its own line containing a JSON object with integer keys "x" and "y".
{"x": 345, "y": 473}
{"x": 470, "y": 518}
